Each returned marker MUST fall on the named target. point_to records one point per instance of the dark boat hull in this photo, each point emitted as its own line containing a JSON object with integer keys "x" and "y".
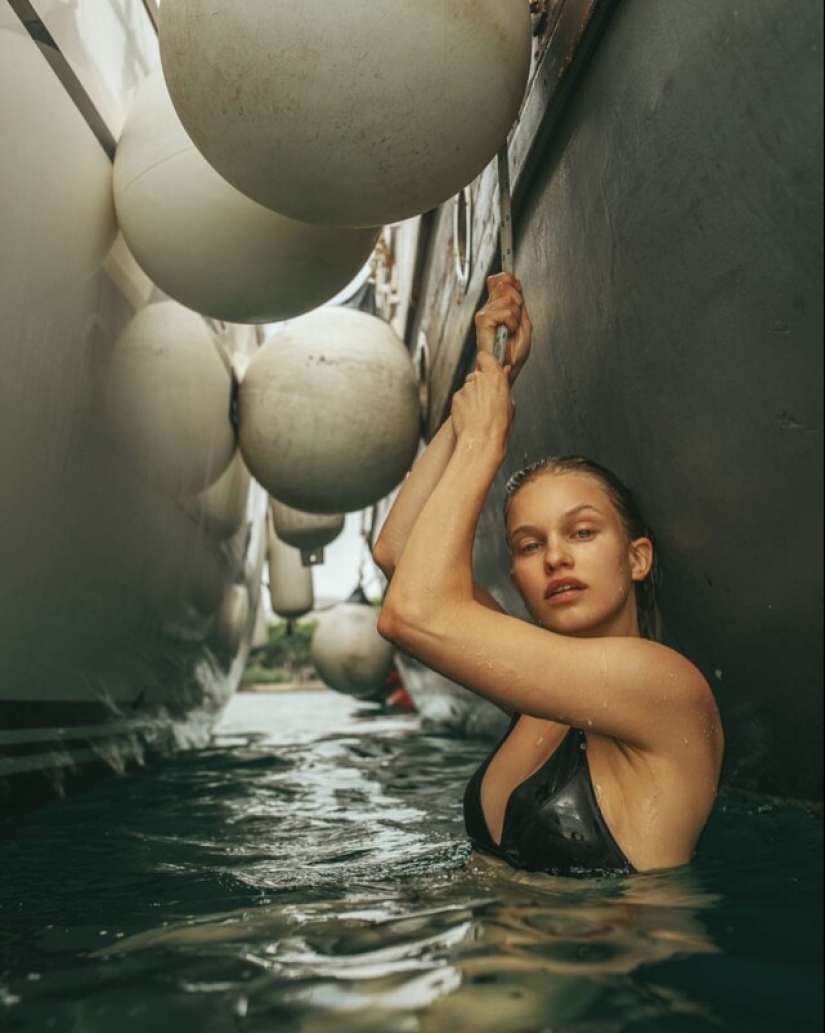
{"x": 669, "y": 240}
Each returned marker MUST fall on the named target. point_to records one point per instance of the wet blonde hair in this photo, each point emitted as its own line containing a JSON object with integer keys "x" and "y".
{"x": 623, "y": 501}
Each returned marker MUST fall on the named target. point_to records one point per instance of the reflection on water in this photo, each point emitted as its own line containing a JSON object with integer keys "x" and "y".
{"x": 528, "y": 950}
{"x": 308, "y": 872}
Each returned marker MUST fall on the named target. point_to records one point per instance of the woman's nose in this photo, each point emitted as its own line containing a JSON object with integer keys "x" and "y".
{"x": 556, "y": 555}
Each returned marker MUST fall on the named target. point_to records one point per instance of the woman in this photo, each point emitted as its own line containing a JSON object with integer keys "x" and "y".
{"x": 613, "y": 754}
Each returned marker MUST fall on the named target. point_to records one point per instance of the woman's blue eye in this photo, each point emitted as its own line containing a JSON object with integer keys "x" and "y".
{"x": 584, "y": 534}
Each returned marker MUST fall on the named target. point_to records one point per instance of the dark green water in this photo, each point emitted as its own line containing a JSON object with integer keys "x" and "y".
{"x": 308, "y": 872}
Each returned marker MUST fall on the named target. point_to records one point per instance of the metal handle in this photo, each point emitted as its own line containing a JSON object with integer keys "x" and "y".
{"x": 505, "y": 239}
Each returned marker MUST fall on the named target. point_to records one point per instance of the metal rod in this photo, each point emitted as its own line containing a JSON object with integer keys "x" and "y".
{"x": 505, "y": 238}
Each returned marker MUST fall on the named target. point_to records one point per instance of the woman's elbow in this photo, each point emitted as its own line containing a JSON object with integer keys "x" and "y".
{"x": 383, "y": 559}
{"x": 413, "y": 624}
{"x": 397, "y": 623}
{"x": 393, "y": 626}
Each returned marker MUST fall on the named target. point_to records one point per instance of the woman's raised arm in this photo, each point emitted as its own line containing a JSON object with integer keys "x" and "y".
{"x": 628, "y": 688}
{"x": 505, "y": 305}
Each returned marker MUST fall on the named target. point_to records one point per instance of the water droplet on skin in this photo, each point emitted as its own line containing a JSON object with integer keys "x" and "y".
{"x": 590, "y": 723}
{"x": 686, "y": 741}
{"x": 605, "y": 705}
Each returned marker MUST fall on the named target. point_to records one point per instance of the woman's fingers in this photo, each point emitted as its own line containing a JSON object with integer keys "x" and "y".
{"x": 501, "y": 280}
{"x": 505, "y": 307}
{"x": 487, "y": 363}
{"x": 505, "y": 299}
{"x": 506, "y": 310}
{"x": 483, "y": 407}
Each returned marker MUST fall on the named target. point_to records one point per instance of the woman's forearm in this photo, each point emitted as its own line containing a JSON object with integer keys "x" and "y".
{"x": 434, "y": 576}
{"x": 413, "y": 496}
{"x": 505, "y": 307}
{"x": 435, "y": 571}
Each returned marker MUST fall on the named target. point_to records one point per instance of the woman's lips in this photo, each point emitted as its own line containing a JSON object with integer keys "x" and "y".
{"x": 563, "y": 591}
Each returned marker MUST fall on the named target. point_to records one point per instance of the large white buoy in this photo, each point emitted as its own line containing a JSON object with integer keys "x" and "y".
{"x": 167, "y": 398}
{"x": 290, "y": 582}
{"x": 329, "y": 412}
{"x": 353, "y": 114}
{"x": 307, "y": 532}
{"x": 206, "y": 244}
{"x": 221, "y": 508}
{"x": 347, "y": 651}
{"x": 260, "y": 629}
{"x": 231, "y": 620}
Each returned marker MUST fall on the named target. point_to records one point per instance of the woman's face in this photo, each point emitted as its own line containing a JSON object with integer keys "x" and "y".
{"x": 572, "y": 562}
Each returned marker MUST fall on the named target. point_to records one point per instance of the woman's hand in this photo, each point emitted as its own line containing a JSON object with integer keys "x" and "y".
{"x": 482, "y": 411}
{"x": 505, "y": 306}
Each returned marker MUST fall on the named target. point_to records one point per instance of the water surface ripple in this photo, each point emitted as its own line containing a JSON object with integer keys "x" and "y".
{"x": 308, "y": 872}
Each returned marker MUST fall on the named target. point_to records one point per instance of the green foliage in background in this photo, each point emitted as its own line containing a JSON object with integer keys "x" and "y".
{"x": 285, "y": 655}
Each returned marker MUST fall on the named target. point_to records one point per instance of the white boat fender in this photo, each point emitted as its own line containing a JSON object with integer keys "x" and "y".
{"x": 221, "y": 508}
{"x": 346, "y": 649}
{"x": 209, "y": 246}
{"x": 329, "y": 413}
{"x": 307, "y": 532}
{"x": 351, "y": 114}
{"x": 231, "y": 620}
{"x": 166, "y": 399}
{"x": 291, "y": 591}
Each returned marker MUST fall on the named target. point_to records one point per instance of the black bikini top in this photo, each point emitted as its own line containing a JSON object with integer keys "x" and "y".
{"x": 552, "y": 822}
